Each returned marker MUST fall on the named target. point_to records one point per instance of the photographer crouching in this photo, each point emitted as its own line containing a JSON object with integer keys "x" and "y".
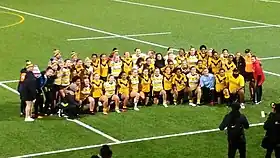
{"x": 235, "y": 122}
{"x": 271, "y": 141}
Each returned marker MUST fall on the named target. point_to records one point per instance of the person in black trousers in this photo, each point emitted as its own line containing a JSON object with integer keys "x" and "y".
{"x": 105, "y": 152}
{"x": 70, "y": 107}
{"x": 235, "y": 122}
{"x": 271, "y": 141}
{"x": 29, "y": 92}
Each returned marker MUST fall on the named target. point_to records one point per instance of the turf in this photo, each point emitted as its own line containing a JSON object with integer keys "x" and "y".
{"x": 35, "y": 38}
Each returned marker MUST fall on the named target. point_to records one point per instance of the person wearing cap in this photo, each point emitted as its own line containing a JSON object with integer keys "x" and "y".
{"x": 249, "y": 72}
{"x": 29, "y": 91}
{"x": 74, "y": 57}
{"x": 235, "y": 123}
{"x": 259, "y": 79}
{"x": 229, "y": 65}
{"x": 236, "y": 85}
{"x": 20, "y": 87}
{"x": 56, "y": 56}
{"x": 271, "y": 141}
{"x": 105, "y": 152}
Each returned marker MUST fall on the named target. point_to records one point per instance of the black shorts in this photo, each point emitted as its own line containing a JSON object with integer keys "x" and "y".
{"x": 147, "y": 94}
{"x": 156, "y": 95}
{"x": 85, "y": 101}
{"x": 103, "y": 78}
{"x": 169, "y": 95}
{"x": 180, "y": 95}
{"x": 26, "y": 96}
{"x": 248, "y": 76}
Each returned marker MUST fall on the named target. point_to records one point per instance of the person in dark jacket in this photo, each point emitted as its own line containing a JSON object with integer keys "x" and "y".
{"x": 70, "y": 107}
{"x": 240, "y": 63}
{"x": 105, "y": 152}
{"x": 20, "y": 87}
{"x": 40, "y": 96}
{"x": 159, "y": 63}
{"x": 271, "y": 140}
{"x": 235, "y": 122}
{"x": 29, "y": 92}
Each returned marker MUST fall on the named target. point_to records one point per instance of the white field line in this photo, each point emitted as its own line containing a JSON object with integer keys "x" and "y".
{"x": 9, "y": 81}
{"x": 76, "y": 121}
{"x": 270, "y": 58}
{"x": 252, "y": 27}
{"x": 126, "y": 142}
{"x": 109, "y": 37}
{"x": 272, "y": 73}
{"x": 197, "y": 13}
{"x": 269, "y": 1}
{"x": 83, "y": 27}
{"x": 94, "y": 130}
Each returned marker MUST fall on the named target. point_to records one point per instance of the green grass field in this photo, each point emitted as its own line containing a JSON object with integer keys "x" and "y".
{"x": 191, "y": 22}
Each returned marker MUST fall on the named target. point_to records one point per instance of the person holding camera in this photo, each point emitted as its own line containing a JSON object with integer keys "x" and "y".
{"x": 105, "y": 152}
{"x": 235, "y": 122}
{"x": 271, "y": 140}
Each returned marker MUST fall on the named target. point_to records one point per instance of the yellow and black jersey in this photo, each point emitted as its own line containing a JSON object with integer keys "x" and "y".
{"x": 97, "y": 88}
{"x": 104, "y": 68}
{"x": 78, "y": 94}
{"x": 203, "y": 58}
{"x": 179, "y": 59}
{"x": 123, "y": 86}
{"x": 96, "y": 66}
{"x": 229, "y": 67}
{"x": 110, "y": 89}
{"x": 85, "y": 92}
{"x": 215, "y": 65}
{"x": 167, "y": 81}
{"x": 79, "y": 70}
{"x": 193, "y": 80}
{"x": 134, "y": 83}
{"x": 151, "y": 68}
{"x": 145, "y": 83}
{"x": 58, "y": 76}
{"x": 157, "y": 83}
{"x": 116, "y": 68}
{"x": 200, "y": 68}
{"x": 179, "y": 82}
{"x": 221, "y": 82}
{"x": 235, "y": 83}
{"x": 127, "y": 65}
{"x": 65, "y": 78}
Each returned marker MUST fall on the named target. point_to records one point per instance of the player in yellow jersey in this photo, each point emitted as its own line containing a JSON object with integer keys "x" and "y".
{"x": 179, "y": 82}
{"x": 167, "y": 84}
{"x": 152, "y": 56}
{"x": 224, "y": 56}
{"x": 116, "y": 66}
{"x": 215, "y": 63}
{"x": 104, "y": 67}
{"x": 145, "y": 85}
{"x": 170, "y": 64}
{"x": 158, "y": 90}
{"x": 248, "y": 75}
{"x": 134, "y": 88}
{"x": 123, "y": 89}
{"x": 85, "y": 95}
{"x": 184, "y": 67}
{"x": 181, "y": 56}
{"x": 97, "y": 93}
{"x": 95, "y": 63}
{"x": 193, "y": 86}
{"x": 200, "y": 67}
{"x": 202, "y": 55}
{"x": 65, "y": 77}
{"x": 78, "y": 69}
{"x": 192, "y": 57}
{"x": 110, "y": 91}
{"x": 236, "y": 84}
{"x": 229, "y": 66}
{"x": 127, "y": 63}
{"x": 149, "y": 65}
{"x": 77, "y": 81}
{"x": 221, "y": 86}
{"x": 139, "y": 65}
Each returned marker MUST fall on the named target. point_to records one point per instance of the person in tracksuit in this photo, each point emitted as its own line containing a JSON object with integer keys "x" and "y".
{"x": 235, "y": 122}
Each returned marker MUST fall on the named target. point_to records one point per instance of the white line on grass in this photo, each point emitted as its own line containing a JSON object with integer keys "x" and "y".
{"x": 126, "y": 142}
{"x": 252, "y": 27}
{"x": 270, "y": 58}
{"x": 269, "y": 1}
{"x": 272, "y": 73}
{"x": 94, "y": 130}
{"x": 84, "y": 27}
{"x": 197, "y": 13}
{"x": 76, "y": 121}
{"x": 9, "y": 81}
{"x": 109, "y": 37}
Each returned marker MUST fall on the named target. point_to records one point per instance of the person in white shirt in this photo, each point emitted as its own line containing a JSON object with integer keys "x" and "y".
{"x": 137, "y": 54}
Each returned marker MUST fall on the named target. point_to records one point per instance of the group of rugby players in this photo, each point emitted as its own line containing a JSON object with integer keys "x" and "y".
{"x": 118, "y": 81}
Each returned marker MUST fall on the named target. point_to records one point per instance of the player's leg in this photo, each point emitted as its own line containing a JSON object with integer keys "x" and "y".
{"x": 91, "y": 105}
{"x": 198, "y": 95}
{"x": 125, "y": 99}
{"x": 164, "y": 98}
{"x": 116, "y": 99}
{"x": 241, "y": 98}
{"x": 104, "y": 100}
{"x": 135, "y": 97}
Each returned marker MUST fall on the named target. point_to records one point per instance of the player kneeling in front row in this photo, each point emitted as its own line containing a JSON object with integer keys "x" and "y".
{"x": 179, "y": 85}
{"x": 110, "y": 92}
{"x": 97, "y": 93}
{"x": 236, "y": 87}
{"x": 193, "y": 87}
{"x": 85, "y": 96}
{"x": 222, "y": 91}
{"x": 158, "y": 91}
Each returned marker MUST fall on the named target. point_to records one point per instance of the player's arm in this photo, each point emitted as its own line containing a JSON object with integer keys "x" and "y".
{"x": 224, "y": 123}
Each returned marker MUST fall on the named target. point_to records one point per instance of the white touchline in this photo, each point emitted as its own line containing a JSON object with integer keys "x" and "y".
{"x": 94, "y": 130}
{"x": 252, "y": 27}
{"x": 197, "y": 13}
{"x": 9, "y": 88}
{"x": 109, "y": 37}
{"x": 127, "y": 141}
{"x": 272, "y": 73}
{"x": 269, "y": 1}
{"x": 9, "y": 81}
{"x": 269, "y": 58}
{"x": 84, "y": 27}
